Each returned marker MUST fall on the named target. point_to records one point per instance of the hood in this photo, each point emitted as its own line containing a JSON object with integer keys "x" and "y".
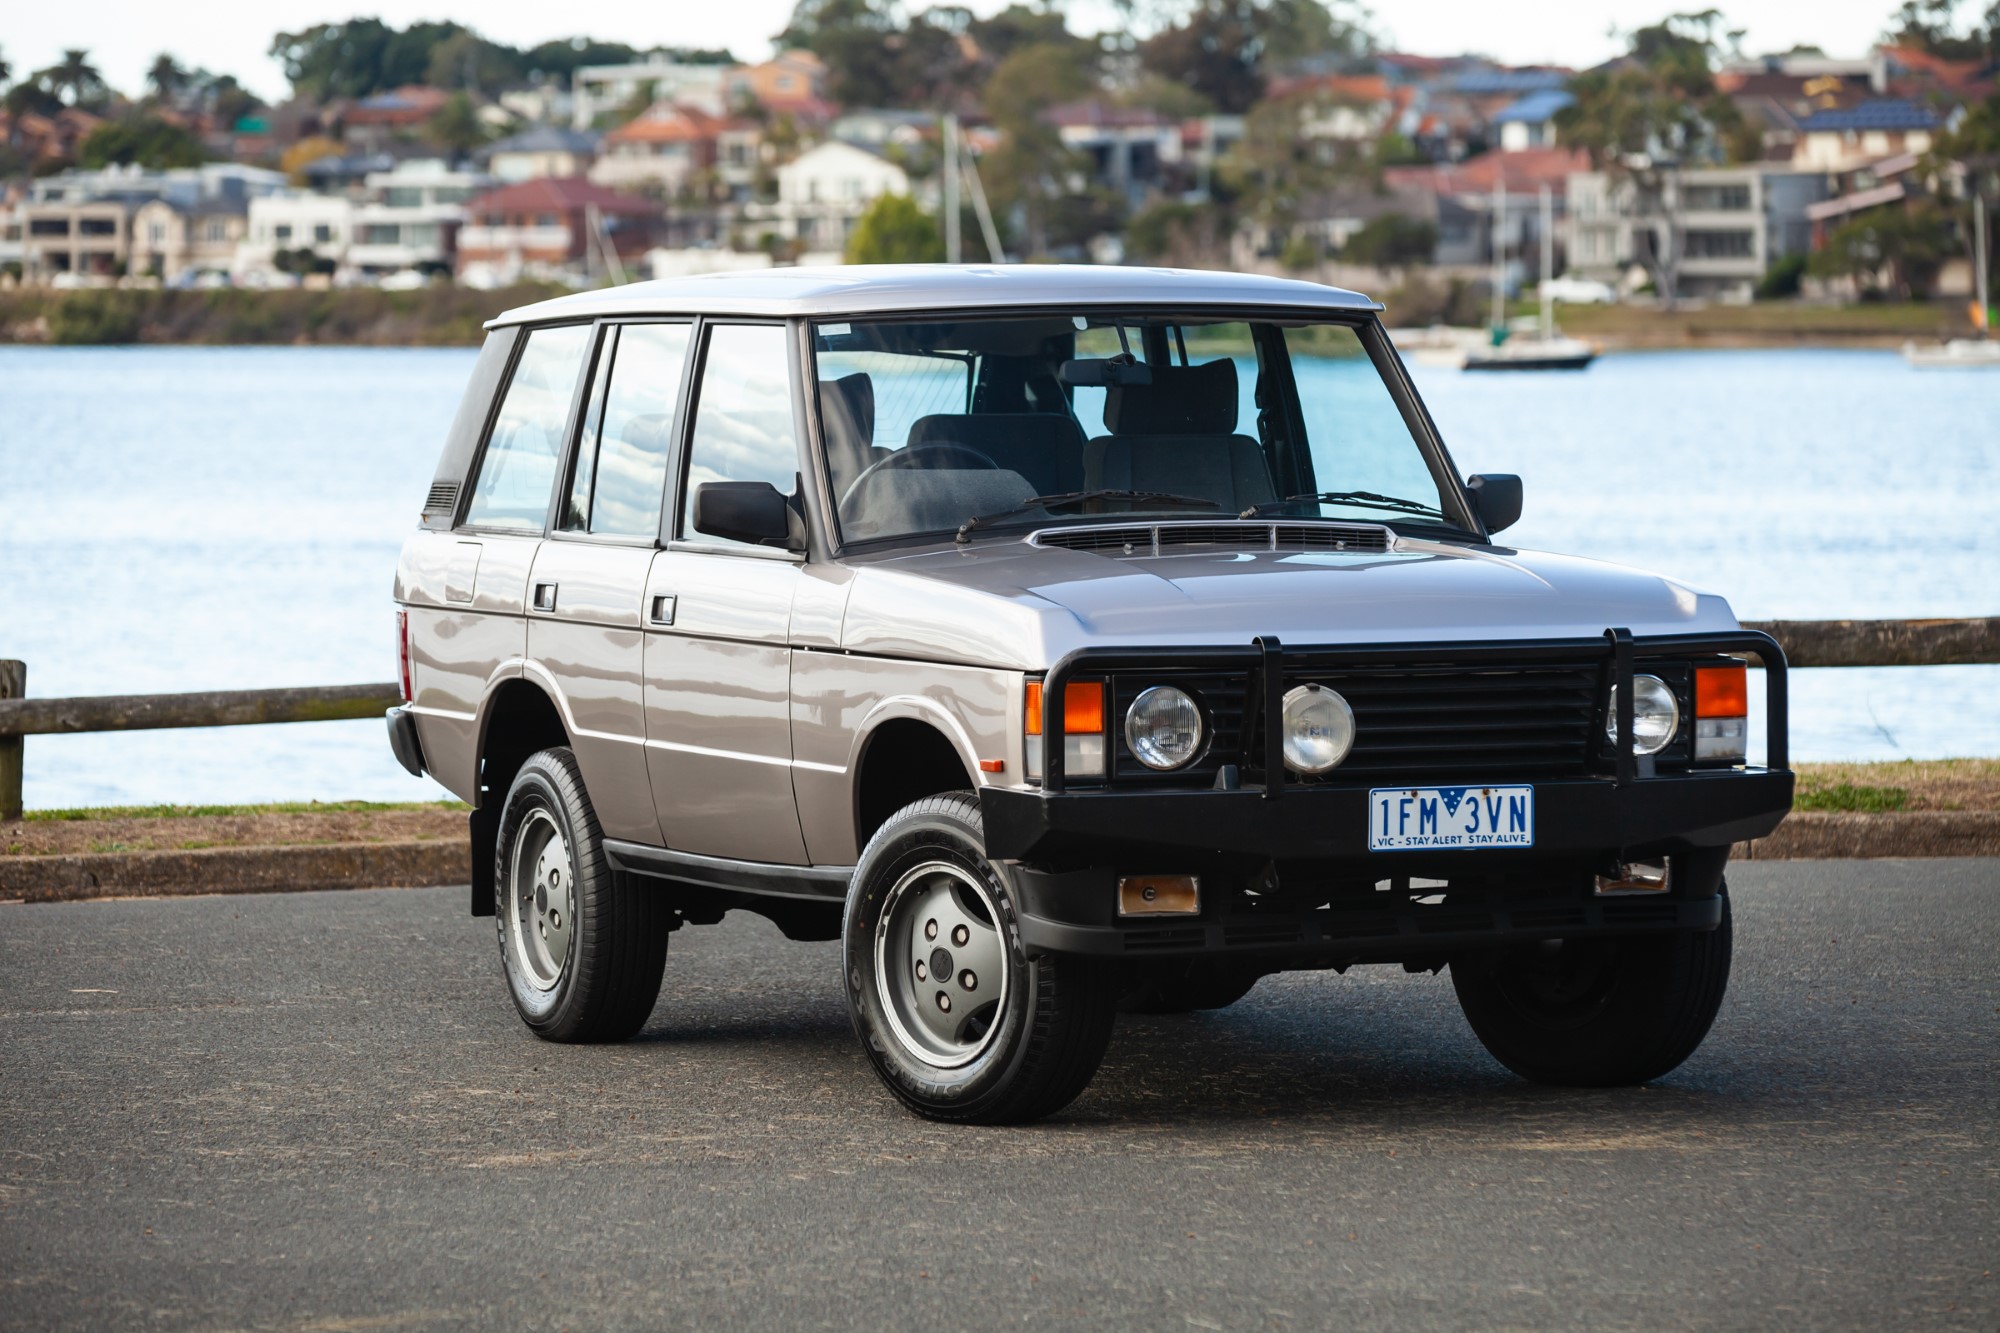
{"x": 1013, "y": 603}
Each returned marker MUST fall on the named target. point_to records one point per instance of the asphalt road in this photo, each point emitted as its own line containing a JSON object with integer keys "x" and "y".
{"x": 319, "y": 1111}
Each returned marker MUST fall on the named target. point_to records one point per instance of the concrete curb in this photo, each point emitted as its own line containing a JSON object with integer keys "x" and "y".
{"x": 1823, "y": 835}
{"x": 354, "y": 865}
{"x": 1812, "y": 835}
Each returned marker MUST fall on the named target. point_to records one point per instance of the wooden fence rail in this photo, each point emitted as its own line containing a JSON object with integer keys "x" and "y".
{"x": 1807, "y": 643}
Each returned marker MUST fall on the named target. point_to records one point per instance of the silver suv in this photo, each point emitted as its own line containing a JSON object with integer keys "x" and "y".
{"x": 1058, "y": 639}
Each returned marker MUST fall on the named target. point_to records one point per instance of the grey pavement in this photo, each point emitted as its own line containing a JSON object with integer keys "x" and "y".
{"x": 319, "y": 1111}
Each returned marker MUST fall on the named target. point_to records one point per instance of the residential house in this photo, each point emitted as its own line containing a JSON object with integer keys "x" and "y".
{"x": 882, "y": 129}
{"x": 1461, "y": 204}
{"x": 604, "y": 90}
{"x": 1531, "y": 121}
{"x": 790, "y": 83}
{"x": 540, "y": 150}
{"x": 1129, "y": 149}
{"x": 346, "y": 173}
{"x": 556, "y": 227}
{"x": 293, "y": 221}
{"x": 823, "y": 192}
{"x": 80, "y": 237}
{"x": 663, "y": 148}
{"x": 1843, "y": 138}
{"x": 180, "y": 242}
{"x": 411, "y": 217}
{"x": 1734, "y": 223}
{"x": 381, "y": 116}
{"x": 44, "y": 140}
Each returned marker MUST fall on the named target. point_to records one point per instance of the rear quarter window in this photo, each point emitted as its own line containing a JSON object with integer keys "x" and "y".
{"x": 518, "y": 470}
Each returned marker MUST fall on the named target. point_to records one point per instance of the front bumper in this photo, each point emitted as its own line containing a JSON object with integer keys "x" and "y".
{"x": 1573, "y": 817}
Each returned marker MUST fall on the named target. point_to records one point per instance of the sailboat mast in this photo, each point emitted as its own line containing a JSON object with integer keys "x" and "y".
{"x": 1980, "y": 277}
{"x": 1499, "y": 253}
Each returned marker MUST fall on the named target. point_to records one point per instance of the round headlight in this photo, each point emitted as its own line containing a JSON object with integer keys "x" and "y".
{"x": 1163, "y": 728}
{"x": 1319, "y": 729}
{"x": 1656, "y": 715}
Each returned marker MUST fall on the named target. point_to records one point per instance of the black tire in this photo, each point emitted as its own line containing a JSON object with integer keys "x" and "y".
{"x": 1026, "y": 1053}
{"x": 1183, "y": 987}
{"x": 614, "y": 940}
{"x": 1597, "y": 1013}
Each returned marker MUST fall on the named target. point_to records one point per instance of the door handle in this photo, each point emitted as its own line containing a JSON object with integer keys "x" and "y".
{"x": 545, "y": 596}
{"x": 662, "y": 610}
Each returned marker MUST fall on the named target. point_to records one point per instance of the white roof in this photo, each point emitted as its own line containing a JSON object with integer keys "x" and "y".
{"x": 860, "y": 289}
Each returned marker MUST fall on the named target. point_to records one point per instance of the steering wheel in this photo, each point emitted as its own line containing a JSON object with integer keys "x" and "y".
{"x": 901, "y": 459}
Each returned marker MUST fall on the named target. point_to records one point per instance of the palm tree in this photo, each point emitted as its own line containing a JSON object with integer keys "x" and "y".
{"x": 167, "y": 78}
{"x": 75, "y": 73}
{"x": 6, "y": 70}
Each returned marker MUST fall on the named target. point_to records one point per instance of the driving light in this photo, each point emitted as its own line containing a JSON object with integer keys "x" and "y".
{"x": 1656, "y": 715}
{"x": 1163, "y": 728}
{"x": 1319, "y": 729}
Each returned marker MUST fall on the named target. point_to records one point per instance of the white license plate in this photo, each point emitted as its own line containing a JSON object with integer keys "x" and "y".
{"x": 1409, "y": 819}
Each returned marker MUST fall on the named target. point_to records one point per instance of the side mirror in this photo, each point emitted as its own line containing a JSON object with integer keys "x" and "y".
{"x": 743, "y": 511}
{"x": 1497, "y": 497}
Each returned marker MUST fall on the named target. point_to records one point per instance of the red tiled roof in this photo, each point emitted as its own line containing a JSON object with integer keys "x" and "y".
{"x": 558, "y": 194}
{"x": 1522, "y": 172}
{"x": 667, "y": 122}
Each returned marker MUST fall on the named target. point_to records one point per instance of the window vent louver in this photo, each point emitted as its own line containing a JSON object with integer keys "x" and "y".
{"x": 443, "y": 498}
{"x": 1191, "y": 538}
{"x": 1331, "y": 537}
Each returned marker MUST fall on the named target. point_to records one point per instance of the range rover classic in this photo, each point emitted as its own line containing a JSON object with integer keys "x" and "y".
{"x": 1058, "y": 640}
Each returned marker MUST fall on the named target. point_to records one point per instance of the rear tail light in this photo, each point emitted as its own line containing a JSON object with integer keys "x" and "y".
{"x": 403, "y": 655}
{"x": 1721, "y": 712}
{"x": 1083, "y": 729}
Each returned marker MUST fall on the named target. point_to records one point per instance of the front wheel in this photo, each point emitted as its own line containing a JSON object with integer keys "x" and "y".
{"x": 583, "y": 946}
{"x": 955, "y": 1017}
{"x": 1597, "y": 1013}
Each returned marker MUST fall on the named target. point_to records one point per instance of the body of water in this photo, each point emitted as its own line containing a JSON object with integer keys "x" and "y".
{"x": 216, "y": 518}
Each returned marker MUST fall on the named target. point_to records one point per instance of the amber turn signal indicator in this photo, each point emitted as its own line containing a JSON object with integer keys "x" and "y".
{"x": 1083, "y": 708}
{"x": 1721, "y": 691}
{"x": 1159, "y": 895}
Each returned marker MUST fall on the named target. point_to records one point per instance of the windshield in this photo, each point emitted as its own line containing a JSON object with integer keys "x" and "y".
{"x": 1027, "y": 421}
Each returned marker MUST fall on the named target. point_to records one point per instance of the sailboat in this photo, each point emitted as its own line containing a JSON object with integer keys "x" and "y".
{"x": 1547, "y": 350}
{"x": 1965, "y": 353}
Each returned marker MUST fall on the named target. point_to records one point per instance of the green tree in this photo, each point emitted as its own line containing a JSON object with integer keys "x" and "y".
{"x": 1908, "y": 245}
{"x": 75, "y": 80}
{"x": 1029, "y": 170}
{"x": 167, "y": 77}
{"x": 874, "y": 59}
{"x": 1225, "y": 50}
{"x": 456, "y": 125}
{"x": 358, "y": 57}
{"x": 559, "y": 59}
{"x": 468, "y": 61}
{"x": 144, "y": 140}
{"x": 1394, "y": 240}
{"x": 6, "y": 70}
{"x": 1280, "y": 164}
{"x": 895, "y": 230}
{"x": 1646, "y": 117}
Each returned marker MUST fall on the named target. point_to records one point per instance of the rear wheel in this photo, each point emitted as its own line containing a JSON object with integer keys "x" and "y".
{"x": 955, "y": 1017}
{"x": 1597, "y": 1013}
{"x": 583, "y": 947}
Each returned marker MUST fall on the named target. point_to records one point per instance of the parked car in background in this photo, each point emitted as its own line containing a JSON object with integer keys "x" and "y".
{"x": 1580, "y": 291}
{"x": 1055, "y": 638}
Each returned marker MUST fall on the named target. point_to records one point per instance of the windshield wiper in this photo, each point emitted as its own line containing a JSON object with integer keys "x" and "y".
{"x": 1035, "y": 502}
{"x": 1360, "y": 499}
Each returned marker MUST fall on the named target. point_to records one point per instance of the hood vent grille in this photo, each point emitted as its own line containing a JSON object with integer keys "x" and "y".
{"x": 1193, "y": 538}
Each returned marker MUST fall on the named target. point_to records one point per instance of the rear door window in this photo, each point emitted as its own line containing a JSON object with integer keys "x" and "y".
{"x": 621, "y": 463}
{"x": 518, "y": 472}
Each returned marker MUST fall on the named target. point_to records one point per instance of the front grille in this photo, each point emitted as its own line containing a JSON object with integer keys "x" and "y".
{"x": 1458, "y": 722}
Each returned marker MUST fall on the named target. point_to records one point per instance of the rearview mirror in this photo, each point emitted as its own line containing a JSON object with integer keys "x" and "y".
{"x": 1104, "y": 373}
{"x": 1497, "y": 497}
{"x": 743, "y": 511}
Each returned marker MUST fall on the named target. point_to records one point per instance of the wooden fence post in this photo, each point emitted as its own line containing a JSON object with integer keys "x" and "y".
{"x": 13, "y": 685}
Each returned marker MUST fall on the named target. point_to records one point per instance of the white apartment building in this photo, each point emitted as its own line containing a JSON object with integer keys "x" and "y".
{"x": 1734, "y": 222}
{"x": 321, "y": 223}
{"x": 597, "y": 89}
{"x": 412, "y": 216}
